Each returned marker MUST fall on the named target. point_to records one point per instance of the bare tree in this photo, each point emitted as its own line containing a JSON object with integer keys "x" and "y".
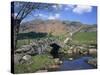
{"x": 19, "y": 11}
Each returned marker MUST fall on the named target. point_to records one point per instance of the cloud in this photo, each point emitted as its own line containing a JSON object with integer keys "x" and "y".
{"x": 52, "y": 17}
{"x": 57, "y": 6}
{"x": 69, "y": 7}
{"x": 80, "y": 9}
{"x": 40, "y": 15}
{"x": 54, "y": 6}
{"x": 57, "y": 15}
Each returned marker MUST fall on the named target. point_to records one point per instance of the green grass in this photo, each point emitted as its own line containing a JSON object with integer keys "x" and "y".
{"x": 27, "y": 41}
{"x": 78, "y": 38}
{"x": 39, "y": 62}
{"x": 85, "y": 38}
{"x": 61, "y": 37}
{"x": 23, "y": 42}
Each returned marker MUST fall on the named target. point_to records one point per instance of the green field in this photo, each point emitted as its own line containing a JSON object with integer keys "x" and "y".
{"x": 78, "y": 38}
{"x": 85, "y": 38}
{"x": 38, "y": 62}
{"x": 26, "y": 39}
{"x": 23, "y": 42}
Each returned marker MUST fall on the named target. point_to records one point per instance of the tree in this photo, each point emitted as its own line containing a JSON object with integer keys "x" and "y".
{"x": 19, "y": 11}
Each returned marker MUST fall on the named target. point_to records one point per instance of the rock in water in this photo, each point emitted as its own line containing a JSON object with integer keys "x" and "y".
{"x": 93, "y": 62}
{"x": 60, "y": 62}
{"x": 70, "y": 58}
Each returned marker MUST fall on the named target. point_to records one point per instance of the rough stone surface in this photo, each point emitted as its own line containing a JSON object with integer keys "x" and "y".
{"x": 39, "y": 46}
{"x": 69, "y": 52}
{"x": 26, "y": 57}
{"x": 24, "y": 48}
{"x": 92, "y": 51}
{"x": 17, "y": 58}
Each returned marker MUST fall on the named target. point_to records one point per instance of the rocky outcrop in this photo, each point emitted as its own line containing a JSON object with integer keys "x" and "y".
{"x": 36, "y": 47}
{"x": 24, "y": 48}
{"x": 79, "y": 50}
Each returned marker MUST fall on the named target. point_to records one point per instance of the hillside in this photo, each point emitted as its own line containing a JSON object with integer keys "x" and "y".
{"x": 50, "y": 26}
{"x": 54, "y": 27}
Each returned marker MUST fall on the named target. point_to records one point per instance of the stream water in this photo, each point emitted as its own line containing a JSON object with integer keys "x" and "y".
{"x": 76, "y": 64}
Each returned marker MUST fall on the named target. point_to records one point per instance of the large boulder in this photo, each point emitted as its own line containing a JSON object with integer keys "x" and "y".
{"x": 24, "y": 48}
{"x": 17, "y": 58}
{"x": 19, "y": 50}
{"x": 92, "y": 51}
{"x": 26, "y": 57}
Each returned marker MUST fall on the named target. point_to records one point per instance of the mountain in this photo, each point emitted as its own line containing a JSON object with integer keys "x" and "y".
{"x": 55, "y": 27}
{"x": 90, "y": 28}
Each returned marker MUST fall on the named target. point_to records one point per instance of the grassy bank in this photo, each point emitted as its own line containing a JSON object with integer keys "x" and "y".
{"x": 38, "y": 62}
{"x": 85, "y": 38}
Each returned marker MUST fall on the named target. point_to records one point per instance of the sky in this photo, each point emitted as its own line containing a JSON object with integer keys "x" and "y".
{"x": 81, "y": 13}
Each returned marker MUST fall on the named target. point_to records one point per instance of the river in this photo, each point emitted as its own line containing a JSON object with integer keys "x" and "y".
{"x": 76, "y": 64}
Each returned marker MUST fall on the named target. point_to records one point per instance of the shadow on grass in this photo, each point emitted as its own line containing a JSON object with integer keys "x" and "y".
{"x": 31, "y": 35}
